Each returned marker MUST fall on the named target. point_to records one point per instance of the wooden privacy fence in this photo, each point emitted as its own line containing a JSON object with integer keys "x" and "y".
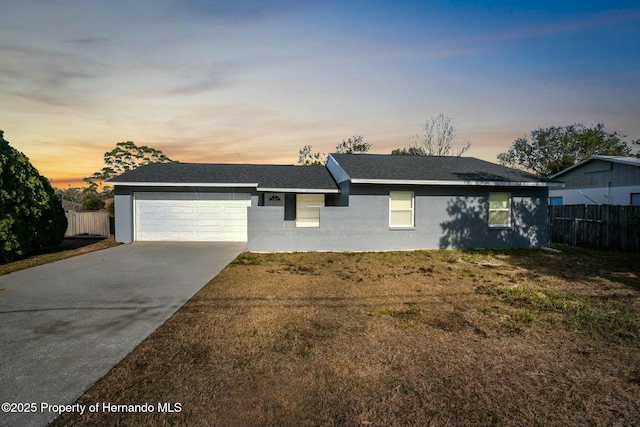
{"x": 596, "y": 226}
{"x": 83, "y": 223}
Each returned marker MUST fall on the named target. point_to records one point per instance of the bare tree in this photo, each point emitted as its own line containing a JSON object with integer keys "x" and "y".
{"x": 438, "y": 138}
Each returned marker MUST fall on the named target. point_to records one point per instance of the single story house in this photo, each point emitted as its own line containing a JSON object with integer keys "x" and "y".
{"x": 599, "y": 180}
{"x": 357, "y": 202}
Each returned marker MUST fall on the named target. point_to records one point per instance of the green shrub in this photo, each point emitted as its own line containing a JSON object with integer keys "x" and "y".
{"x": 92, "y": 202}
{"x": 31, "y": 216}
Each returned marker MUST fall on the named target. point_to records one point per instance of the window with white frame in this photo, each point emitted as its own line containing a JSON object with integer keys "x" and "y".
{"x": 401, "y": 209}
{"x": 308, "y": 209}
{"x": 499, "y": 210}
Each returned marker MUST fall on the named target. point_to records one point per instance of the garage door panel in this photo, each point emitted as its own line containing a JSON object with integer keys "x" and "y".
{"x": 191, "y": 216}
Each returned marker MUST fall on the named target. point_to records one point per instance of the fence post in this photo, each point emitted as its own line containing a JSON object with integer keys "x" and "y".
{"x": 605, "y": 225}
{"x": 574, "y": 232}
{"x": 623, "y": 216}
{"x": 550, "y": 224}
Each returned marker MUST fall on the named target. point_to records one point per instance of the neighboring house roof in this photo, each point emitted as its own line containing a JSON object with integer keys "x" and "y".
{"x": 70, "y": 206}
{"x": 632, "y": 161}
{"x": 433, "y": 170}
{"x": 276, "y": 178}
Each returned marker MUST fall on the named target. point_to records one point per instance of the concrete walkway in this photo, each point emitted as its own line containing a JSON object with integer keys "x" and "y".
{"x": 64, "y": 325}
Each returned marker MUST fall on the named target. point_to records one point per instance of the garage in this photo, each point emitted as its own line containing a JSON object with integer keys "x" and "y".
{"x": 208, "y": 202}
{"x": 167, "y": 216}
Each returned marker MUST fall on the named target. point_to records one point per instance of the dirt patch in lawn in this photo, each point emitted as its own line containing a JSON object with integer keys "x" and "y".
{"x": 399, "y": 338}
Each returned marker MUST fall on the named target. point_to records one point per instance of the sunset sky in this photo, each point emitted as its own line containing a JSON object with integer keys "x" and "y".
{"x": 254, "y": 81}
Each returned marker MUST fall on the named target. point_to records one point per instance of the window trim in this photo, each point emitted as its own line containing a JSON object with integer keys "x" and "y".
{"x": 412, "y": 210}
{"x": 507, "y": 209}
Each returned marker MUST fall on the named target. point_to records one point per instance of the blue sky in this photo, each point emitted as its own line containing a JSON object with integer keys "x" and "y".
{"x": 254, "y": 81}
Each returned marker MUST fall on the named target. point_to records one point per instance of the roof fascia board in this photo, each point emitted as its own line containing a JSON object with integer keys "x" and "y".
{"x": 299, "y": 190}
{"x": 457, "y": 183}
{"x": 577, "y": 165}
{"x": 629, "y": 162}
{"x": 184, "y": 184}
{"x": 222, "y": 185}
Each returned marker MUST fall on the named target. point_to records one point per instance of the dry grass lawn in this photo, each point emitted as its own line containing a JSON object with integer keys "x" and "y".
{"x": 506, "y": 338}
{"x": 55, "y": 254}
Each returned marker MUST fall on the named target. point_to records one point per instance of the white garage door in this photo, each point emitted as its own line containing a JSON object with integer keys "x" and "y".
{"x": 191, "y": 217}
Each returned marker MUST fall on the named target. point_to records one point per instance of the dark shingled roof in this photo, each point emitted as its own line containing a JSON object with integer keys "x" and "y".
{"x": 372, "y": 167}
{"x": 265, "y": 176}
{"x": 359, "y": 167}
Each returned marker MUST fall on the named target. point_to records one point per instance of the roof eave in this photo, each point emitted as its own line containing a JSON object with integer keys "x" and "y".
{"x": 570, "y": 168}
{"x": 458, "y": 183}
{"x": 299, "y": 190}
{"x": 224, "y": 184}
{"x": 184, "y": 184}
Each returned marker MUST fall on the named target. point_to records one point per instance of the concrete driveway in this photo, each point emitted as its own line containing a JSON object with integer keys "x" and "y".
{"x": 66, "y": 324}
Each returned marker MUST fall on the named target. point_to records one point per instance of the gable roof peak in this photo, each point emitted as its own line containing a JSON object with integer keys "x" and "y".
{"x": 625, "y": 160}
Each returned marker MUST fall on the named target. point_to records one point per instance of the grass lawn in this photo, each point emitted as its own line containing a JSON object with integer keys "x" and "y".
{"x": 506, "y": 338}
{"x": 56, "y": 254}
